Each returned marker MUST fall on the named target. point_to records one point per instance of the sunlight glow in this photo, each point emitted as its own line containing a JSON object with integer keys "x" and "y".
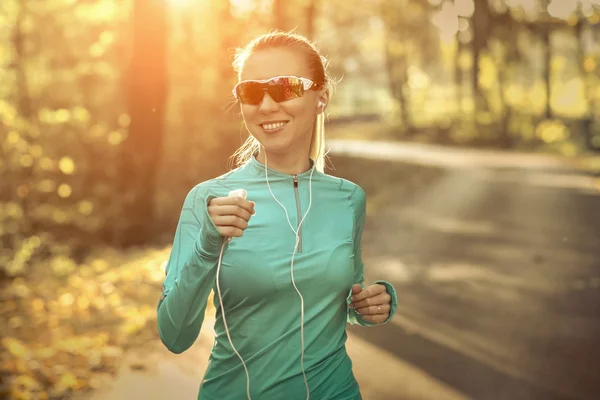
{"x": 178, "y": 3}
{"x": 562, "y": 8}
{"x": 446, "y": 20}
{"x": 464, "y": 8}
{"x": 417, "y": 79}
{"x": 243, "y": 6}
{"x": 529, "y": 6}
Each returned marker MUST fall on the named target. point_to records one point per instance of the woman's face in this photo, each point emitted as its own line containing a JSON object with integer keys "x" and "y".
{"x": 264, "y": 121}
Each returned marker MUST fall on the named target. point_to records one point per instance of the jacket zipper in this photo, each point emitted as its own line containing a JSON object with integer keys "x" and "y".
{"x": 299, "y": 212}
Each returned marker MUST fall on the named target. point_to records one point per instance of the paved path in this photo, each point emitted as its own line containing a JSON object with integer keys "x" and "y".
{"x": 497, "y": 264}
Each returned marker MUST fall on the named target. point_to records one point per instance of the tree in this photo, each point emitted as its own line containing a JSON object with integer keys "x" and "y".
{"x": 279, "y": 15}
{"x": 410, "y": 40}
{"x": 140, "y": 151}
{"x": 481, "y": 23}
{"x": 545, "y": 33}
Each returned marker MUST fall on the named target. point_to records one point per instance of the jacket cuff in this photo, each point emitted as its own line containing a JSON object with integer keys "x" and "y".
{"x": 209, "y": 241}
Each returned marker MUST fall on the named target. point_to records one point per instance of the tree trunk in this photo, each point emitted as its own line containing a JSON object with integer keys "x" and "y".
{"x": 228, "y": 39}
{"x": 140, "y": 153}
{"x": 25, "y": 109}
{"x": 547, "y": 45}
{"x": 311, "y": 15}
{"x": 481, "y": 28}
{"x": 396, "y": 66}
{"x": 505, "y": 139}
{"x": 458, "y": 78}
{"x": 279, "y": 15}
{"x": 589, "y": 115}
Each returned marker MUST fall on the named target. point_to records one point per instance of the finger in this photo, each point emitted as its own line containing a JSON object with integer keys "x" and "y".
{"x": 230, "y": 231}
{"x": 378, "y": 319}
{"x": 368, "y": 292}
{"x": 230, "y": 220}
{"x": 374, "y": 310}
{"x": 229, "y": 210}
{"x": 382, "y": 298}
{"x": 356, "y": 288}
{"x": 233, "y": 201}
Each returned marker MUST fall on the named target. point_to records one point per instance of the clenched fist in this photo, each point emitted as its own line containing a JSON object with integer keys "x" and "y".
{"x": 372, "y": 303}
{"x": 230, "y": 214}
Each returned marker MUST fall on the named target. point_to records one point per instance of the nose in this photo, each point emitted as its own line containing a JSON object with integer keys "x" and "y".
{"x": 268, "y": 105}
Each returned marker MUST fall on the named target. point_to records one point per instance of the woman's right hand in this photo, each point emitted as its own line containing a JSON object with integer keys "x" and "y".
{"x": 230, "y": 214}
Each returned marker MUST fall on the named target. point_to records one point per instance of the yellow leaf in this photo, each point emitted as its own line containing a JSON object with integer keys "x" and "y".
{"x": 26, "y": 382}
{"x": 66, "y": 165}
{"x": 13, "y": 137}
{"x": 112, "y": 352}
{"x": 68, "y": 381}
{"x": 81, "y": 114}
{"x": 15, "y": 347}
{"x": 64, "y": 190}
{"x": 552, "y": 131}
{"x": 46, "y": 352}
{"x": 46, "y": 164}
{"x": 589, "y": 64}
{"x": 85, "y": 207}
{"x": 62, "y": 115}
{"x": 14, "y": 210}
{"x": 115, "y": 137}
{"x": 37, "y": 151}
{"x": 47, "y": 186}
{"x": 26, "y": 160}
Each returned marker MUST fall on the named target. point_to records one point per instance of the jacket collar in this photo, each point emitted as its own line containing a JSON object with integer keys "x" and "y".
{"x": 259, "y": 168}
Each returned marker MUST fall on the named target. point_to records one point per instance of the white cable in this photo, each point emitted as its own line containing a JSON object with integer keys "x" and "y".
{"x": 225, "y": 321}
{"x": 296, "y": 231}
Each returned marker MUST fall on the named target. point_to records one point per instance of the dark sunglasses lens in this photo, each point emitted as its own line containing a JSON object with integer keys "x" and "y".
{"x": 285, "y": 89}
{"x": 250, "y": 92}
{"x": 280, "y": 89}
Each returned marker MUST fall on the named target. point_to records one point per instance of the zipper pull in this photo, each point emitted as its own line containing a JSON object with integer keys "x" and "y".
{"x": 295, "y": 180}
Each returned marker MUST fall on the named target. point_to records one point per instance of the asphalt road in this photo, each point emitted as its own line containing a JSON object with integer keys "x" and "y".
{"x": 497, "y": 267}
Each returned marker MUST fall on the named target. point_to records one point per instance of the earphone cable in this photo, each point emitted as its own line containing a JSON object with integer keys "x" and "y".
{"x": 297, "y": 232}
{"x": 225, "y": 321}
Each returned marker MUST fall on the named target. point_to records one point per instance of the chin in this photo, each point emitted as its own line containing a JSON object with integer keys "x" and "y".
{"x": 277, "y": 148}
{"x": 274, "y": 142}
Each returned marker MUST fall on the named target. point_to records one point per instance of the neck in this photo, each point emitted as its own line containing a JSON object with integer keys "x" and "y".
{"x": 290, "y": 164}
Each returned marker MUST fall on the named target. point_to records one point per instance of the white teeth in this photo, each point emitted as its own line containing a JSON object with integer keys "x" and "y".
{"x": 270, "y": 127}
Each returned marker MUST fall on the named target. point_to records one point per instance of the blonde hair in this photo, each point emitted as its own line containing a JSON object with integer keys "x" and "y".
{"x": 318, "y": 69}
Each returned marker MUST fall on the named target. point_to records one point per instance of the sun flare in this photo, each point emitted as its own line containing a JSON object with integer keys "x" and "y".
{"x": 237, "y": 5}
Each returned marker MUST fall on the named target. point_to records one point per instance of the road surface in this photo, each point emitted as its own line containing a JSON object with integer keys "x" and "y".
{"x": 497, "y": 267}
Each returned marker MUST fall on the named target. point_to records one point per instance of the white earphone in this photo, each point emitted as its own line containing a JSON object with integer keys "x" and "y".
{"x": 321, "y": 104}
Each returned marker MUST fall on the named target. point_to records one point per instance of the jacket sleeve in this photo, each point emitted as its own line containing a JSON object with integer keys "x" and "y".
{"x": 359, "y": 202}
{"x": 190, "y": 273}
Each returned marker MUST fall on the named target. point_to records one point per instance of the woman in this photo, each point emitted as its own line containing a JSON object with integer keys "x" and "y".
{"x": 285, "y": 263}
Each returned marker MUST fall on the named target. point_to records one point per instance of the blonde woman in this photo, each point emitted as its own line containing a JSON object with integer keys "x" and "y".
{"x": 284, "y": 258}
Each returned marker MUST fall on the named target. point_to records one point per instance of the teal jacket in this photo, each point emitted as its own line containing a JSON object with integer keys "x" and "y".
{"x": 262, "y": 308}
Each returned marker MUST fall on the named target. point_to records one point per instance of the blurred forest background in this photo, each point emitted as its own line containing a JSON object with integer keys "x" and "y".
{"x": 111, "y": 110}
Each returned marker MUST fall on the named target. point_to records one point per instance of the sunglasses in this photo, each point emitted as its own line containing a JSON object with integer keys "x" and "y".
{"x": 280, "y": 88}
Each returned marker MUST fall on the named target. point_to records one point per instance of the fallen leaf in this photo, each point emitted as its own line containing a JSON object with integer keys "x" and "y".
{"x": 15, "y": 347}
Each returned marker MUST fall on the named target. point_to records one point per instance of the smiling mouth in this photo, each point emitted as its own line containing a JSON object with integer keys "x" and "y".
{"x": 273, "y": 126}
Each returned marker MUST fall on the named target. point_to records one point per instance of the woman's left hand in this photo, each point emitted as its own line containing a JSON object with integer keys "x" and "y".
{"x": 372, "y": 303}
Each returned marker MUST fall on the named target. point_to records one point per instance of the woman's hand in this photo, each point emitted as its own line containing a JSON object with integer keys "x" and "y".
{"x": 372, "y": 303}
{"x": 230, "y": 214}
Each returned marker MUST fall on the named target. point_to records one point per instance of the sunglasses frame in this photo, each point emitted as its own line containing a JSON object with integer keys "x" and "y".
{"x": 307, "y": 84}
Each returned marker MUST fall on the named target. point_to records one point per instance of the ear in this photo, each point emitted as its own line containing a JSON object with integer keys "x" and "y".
{"x": 323, "y": 100}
